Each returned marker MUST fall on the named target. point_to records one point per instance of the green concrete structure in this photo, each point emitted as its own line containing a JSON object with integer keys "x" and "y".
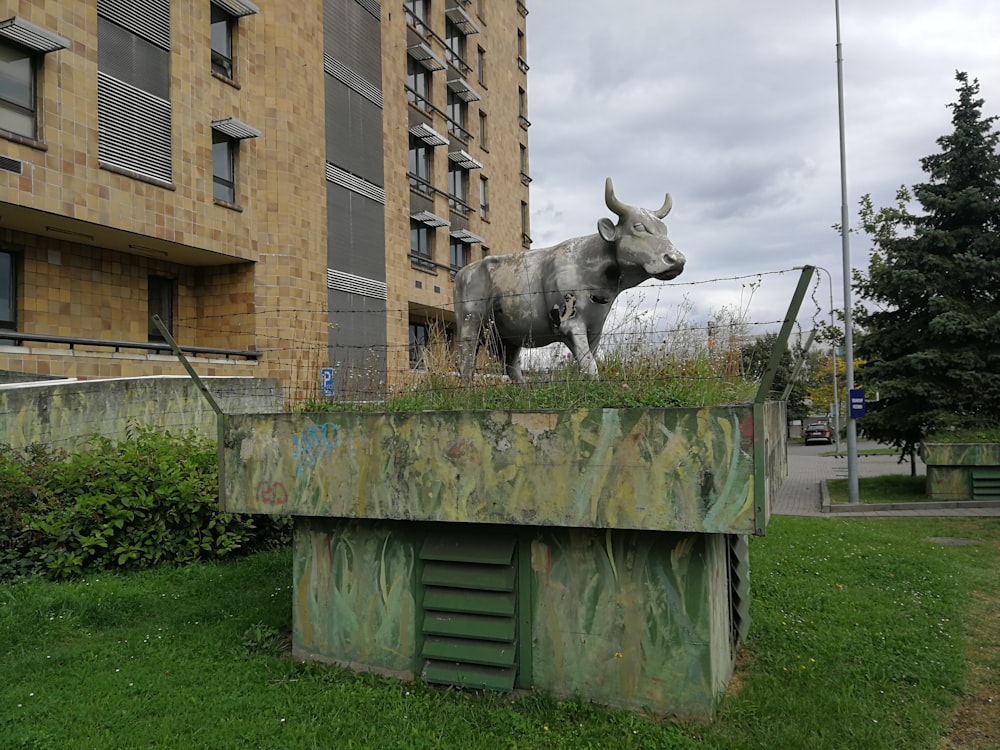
{"x": 962, "y": 471}
{"x": 599, "y": 554}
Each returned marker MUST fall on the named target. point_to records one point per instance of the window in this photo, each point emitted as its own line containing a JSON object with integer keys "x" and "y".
{"x": 17, "y": 90}
{"x": 22, "y": 47}
{"x": 524, "y": 164}
{"x": 226, "y": 137}
{"x": 418, "y": 83}
{"x": 481, "y": 65}
{"x": 457, "y": 109}
{"x": 417, "y": 12}
{"x": 482, "y": 130}
{"x": 222, "y": 42}
{"x": 522, "y": 62}
{"x": 454, "y": 39}
{"x": 419, "y": 341}
{"x": 421, "y": 163}
{"x": 161, "y": 302}
{"x": 458, "y": 186}
{"x": 133, "y": 88}
{"x": 421, "y": 243}
{"x": 484, "y": 198}
{"x": 225, "y": 15}
{"x": 525, "y": 224}
{"x": 223, "y": 167}
{"x": 459, "y": 253}
{"x": 8, "y": 292}
{"x": 522, "y": 109}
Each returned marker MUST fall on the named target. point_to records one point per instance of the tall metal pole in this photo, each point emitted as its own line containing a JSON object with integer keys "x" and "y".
{"x": 845, "y": 235}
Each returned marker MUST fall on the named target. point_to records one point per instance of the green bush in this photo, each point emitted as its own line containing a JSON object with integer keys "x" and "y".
{"x": 148, "y": 499}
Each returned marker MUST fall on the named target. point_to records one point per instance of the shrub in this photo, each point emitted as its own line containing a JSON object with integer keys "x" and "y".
{"x": 148, "y": 499}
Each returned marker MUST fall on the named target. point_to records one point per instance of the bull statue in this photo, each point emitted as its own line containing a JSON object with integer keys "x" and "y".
{"x": 561, "y": 293}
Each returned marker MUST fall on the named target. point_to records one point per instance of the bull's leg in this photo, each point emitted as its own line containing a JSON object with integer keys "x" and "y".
{"x": 512, "y": 362}
{"x": 469, "y": 333}
{"x": 580, "y": 346}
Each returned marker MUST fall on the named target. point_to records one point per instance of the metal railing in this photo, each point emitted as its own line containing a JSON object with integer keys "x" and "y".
{"x": 157, "y": 347}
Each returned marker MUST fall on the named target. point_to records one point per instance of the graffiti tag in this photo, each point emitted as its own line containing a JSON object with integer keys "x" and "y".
{"x": 316, "y": 443}
{"x": 272, "y": 493}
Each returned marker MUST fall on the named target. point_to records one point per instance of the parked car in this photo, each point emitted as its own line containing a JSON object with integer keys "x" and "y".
{"x": 818, "y": 432}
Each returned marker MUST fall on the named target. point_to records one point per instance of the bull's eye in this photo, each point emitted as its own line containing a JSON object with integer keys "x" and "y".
{"x": 639, "y": 227}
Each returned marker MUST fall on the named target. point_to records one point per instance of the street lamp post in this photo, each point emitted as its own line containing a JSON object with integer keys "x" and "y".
{"x": 833, "y": 352}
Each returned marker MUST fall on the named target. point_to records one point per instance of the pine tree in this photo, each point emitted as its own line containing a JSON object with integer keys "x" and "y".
{"x": 931, "y": 330}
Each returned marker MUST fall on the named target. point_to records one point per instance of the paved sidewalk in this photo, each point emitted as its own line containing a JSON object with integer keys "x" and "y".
{"x": 800, "y": 492}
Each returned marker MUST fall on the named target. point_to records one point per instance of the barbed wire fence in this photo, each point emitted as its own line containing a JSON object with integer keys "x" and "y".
{"x": 658, "y": 328}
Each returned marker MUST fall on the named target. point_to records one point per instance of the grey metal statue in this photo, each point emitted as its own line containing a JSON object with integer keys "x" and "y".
{"x": 561, "y": 293}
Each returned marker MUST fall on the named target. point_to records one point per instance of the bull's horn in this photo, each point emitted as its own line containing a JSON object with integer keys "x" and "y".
{"x": 668, "y": 203}
{"x": 614, "y": 205}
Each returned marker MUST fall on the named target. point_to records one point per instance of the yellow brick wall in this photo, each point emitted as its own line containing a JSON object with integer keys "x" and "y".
{"x": 275, "y": 300}
{"x": 501, "y": 160}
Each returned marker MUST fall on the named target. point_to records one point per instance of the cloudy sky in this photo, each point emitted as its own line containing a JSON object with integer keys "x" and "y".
{"x": 732, "y": 108}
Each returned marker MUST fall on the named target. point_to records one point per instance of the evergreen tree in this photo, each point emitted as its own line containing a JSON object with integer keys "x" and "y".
{"x": 931, "y": 336}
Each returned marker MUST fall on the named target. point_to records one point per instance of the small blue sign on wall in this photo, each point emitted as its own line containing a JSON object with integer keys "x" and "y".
{"x": 326, "y": 380}
{"x": 857, "y": 403}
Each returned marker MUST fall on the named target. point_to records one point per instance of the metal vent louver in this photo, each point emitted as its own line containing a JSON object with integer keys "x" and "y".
{"x": 133, "y": 129}
{"x": 423, "y": 55}
{"x": 464, "y": 90}
{"x": 430, "y": 219}
{"x": 31, "y": 36}
{"x": 461, "y": 19}
{"x": 739, "y": 586}
{"x": 354, "y": 183}
{"x": 469, "y": 617}
{"x": 464, "y": 160}
{"x": 352, "y": 284}
{"x": 986, "y": 484}
{"x": 464, "y": 235}
{"x": 11, "y": 165}
{"x": 352, "y": 80}
{"x": 428, "y": 135}
{"x": 237, "y": 8}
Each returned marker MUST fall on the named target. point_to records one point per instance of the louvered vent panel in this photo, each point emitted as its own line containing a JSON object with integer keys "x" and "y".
{"x": 372, "y": 6}
{"x": 986, "y": 484}
{"x": 11, "y": 165}
{"x": 739, "y": 585}
{"x": 149, "y": 19}
{"x": 133, "y": 129}
{"x": 469, "y": 618}
{"x": 352, "y": 80}
{"x": 353, "y": 284}
{"x": 354, "y": 183}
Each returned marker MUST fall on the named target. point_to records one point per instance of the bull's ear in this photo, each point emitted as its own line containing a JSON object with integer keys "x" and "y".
{"x": 607, "y": 230}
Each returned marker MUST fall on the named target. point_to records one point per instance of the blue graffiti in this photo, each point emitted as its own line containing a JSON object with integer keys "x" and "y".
{"x": 319, "y": 441}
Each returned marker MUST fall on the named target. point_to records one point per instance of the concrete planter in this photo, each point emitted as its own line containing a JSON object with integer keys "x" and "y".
{"x": 592, "y": 553}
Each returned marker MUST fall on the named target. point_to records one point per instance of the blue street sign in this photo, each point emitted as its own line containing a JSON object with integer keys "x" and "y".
{"x": 857, "y": 403}
{"x": 326, "y": 380}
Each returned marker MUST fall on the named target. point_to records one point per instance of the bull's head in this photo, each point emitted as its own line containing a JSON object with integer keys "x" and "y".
{"x": 640, "y": 238}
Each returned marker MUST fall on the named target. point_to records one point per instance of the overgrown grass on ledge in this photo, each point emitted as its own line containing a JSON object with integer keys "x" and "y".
{"x": 646, "y": 379}
{"x": 891, "y": 488}
{"x": 984, "y": 434}
{"x": 857, "y": 641}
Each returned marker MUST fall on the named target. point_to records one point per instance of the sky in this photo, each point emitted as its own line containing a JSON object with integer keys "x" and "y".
{"x": 731, "y": 107}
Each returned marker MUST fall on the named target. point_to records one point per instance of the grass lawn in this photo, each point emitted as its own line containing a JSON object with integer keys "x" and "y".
{"x": 891, "y": 488}
{"x": 867, "y": 633}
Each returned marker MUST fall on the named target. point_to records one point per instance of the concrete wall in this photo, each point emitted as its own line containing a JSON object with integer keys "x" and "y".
{"x": 67, "y": 413}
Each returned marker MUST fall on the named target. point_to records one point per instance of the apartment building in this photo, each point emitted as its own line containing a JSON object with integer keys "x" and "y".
{"x": 288, "y": 187}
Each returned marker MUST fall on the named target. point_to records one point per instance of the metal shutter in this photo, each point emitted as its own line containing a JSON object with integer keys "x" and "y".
{"x": 739, "y": 585}
{"x": 133, "y": 129}
{"x": 469, "y": 611}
